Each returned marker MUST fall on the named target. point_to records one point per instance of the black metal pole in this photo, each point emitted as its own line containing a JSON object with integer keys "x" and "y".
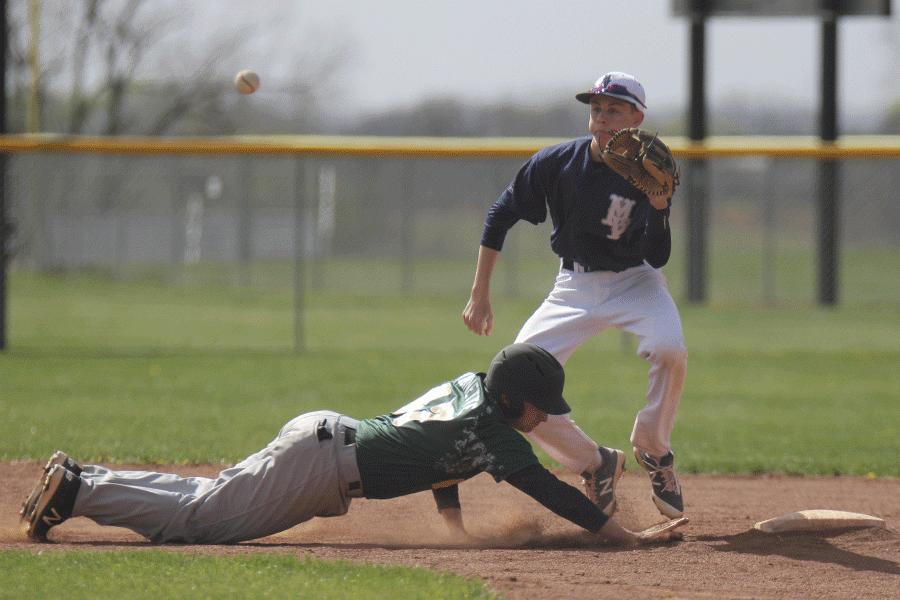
{"x": 5, "y": 238}
{"x": 697, "y": 210}
{"x": 829, "y": 213}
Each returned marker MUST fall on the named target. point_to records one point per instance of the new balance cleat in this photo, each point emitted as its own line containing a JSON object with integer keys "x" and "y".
{"x": 55, "y": 502}
{"x": 666, "y": 489}
{"x": 59, "y": 458}
{"x": 600, "y": 486}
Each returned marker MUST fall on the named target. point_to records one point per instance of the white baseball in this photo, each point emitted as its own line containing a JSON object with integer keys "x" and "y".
{"x": 246, "y": 82}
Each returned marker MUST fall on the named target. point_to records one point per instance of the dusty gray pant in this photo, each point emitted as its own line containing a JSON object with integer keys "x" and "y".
{"x": 296, "y": 477}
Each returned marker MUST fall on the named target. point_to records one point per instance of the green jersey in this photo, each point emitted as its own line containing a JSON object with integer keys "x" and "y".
{"x": 451, "y": 433}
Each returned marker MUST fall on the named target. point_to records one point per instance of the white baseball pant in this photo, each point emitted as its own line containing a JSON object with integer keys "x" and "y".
{"x": 581, "y": 306}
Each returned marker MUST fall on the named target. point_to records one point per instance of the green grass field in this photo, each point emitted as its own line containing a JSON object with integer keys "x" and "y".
{"x": 207, "y": 372}
{"x": 154, "y": 574}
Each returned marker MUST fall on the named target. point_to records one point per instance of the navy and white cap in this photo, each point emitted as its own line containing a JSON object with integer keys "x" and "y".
{"x": 618, "y": 85}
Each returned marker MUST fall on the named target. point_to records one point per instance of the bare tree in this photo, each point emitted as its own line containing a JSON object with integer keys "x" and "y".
{"x": 109, "y": 29}
{"x": 138, "y": 66}
{"x": 87, "y": 62}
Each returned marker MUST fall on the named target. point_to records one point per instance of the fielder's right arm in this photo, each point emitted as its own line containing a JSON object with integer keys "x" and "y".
{"x": 478, "y": 314}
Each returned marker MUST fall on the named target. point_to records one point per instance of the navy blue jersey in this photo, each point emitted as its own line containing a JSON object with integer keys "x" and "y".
{"x": 599, "y": 220}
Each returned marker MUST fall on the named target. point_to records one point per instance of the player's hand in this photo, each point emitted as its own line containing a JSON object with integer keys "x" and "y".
{"x": 657, "y": 534}
{"x": 458, "y": 533}
{"x": 660, "y": 202}
{"x": 461, "y": 537}
{"x": 662, "y": 532}
{"x": 479, "y": 316}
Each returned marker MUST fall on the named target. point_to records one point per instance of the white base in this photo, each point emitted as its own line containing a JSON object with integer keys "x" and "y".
{"x": 817, "y": 520}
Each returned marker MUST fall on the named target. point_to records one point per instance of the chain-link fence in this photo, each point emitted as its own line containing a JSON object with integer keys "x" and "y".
{"x": 249, "y": 219}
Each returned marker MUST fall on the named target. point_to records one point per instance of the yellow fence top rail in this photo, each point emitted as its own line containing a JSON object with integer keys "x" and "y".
{"x": 808, "y": 147}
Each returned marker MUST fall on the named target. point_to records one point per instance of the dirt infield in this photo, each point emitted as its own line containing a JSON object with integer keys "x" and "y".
{"x": 535, "y": 554}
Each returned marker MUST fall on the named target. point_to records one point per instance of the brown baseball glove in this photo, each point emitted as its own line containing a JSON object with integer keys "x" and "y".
{"x": 643, "y": 160}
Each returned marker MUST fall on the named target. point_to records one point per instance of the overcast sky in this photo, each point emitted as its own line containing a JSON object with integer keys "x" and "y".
{"x": 532, "y": 50}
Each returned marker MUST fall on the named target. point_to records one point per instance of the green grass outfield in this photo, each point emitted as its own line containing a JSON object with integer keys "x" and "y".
{"x": 150, "y": 372}
{"x": 206, "y": 372}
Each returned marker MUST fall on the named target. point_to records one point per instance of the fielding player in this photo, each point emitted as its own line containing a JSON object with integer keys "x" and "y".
{"x": 320, "y": 461}
{"x": 611, "y": 239}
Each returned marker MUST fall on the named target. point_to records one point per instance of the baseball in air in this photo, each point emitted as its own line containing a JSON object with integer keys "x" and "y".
{"x": 246, "y": 82}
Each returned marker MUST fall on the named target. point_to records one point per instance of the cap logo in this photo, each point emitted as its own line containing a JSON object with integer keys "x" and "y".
{"x": 619, "y": 85}
{"x": 614, "y": 88}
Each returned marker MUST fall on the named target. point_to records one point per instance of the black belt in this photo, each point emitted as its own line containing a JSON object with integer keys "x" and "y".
{"x": 323, "y": 433}
{"x": 570, "y": 265}
{"x": 354, "y": 488}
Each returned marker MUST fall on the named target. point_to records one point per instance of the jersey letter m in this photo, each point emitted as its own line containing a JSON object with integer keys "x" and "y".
{"x": 617, "y": 219}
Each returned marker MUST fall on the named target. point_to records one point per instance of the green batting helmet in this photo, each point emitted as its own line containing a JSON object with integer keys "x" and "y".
{"x": 528, "y": 373}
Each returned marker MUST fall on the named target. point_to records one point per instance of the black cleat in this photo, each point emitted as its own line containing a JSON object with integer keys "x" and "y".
{"x": 666, "y": 489}
{"x": 600, "y": 486}
{"x": 59, "y": 458}
{"x": 54, "y": 503}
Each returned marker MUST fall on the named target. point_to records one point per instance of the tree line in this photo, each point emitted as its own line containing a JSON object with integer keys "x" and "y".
{"x": 125, "y": 67}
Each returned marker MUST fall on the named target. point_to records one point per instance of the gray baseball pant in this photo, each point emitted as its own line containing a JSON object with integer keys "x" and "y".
{"x": 307, "y": 471}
